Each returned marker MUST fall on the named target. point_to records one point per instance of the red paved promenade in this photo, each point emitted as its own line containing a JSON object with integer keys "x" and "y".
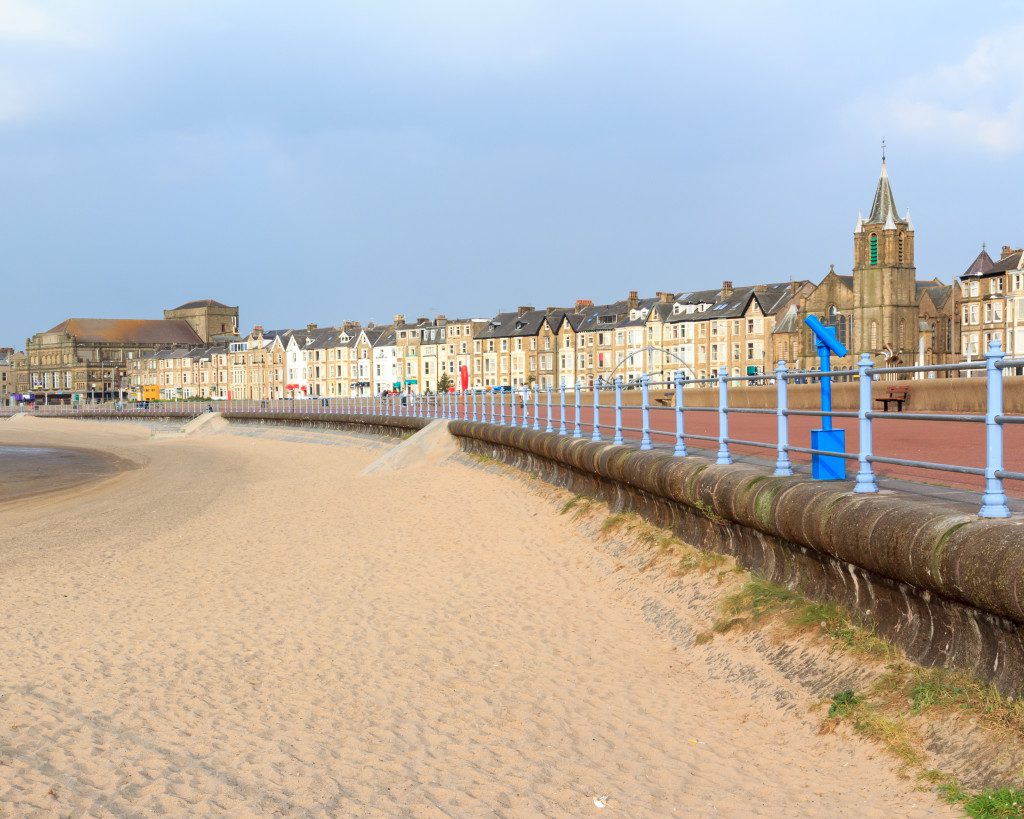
{"x": 949, "y": 442}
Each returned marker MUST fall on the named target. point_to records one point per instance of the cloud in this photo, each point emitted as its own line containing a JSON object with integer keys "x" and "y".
{"x": 978, "y": 102}
{"x": 30, "y": 24}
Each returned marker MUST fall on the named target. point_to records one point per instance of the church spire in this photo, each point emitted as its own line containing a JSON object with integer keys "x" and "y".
{"x": 883, "y": 208}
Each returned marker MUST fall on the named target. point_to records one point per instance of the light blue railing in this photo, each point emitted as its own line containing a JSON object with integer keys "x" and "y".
{"x": 533, "y": 407}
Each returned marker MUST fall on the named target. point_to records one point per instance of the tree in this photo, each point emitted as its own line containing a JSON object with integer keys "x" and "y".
{"x": 444, "y": 383}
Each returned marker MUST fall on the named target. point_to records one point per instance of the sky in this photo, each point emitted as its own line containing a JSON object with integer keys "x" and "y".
{"x": 325, "y": 161}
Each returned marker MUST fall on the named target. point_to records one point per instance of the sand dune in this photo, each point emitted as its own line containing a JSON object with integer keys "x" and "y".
{"x": 249, "y": 625}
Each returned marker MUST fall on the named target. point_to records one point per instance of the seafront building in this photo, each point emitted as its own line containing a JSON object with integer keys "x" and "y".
{"x": 880, "y": 308}
{"x": 6, "y": 373}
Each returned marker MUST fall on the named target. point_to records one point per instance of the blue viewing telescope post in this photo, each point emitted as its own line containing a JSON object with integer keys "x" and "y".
{"x": 827, "y": 439}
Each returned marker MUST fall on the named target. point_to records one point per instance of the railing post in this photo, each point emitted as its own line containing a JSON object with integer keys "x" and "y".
{"x": 617, "y": 437}
{"x": 993, "y": 502}
{"x": 596, "y": 436}
{"x": 493, "y": 407}
{"x": 576, "y": 432}
{"x": 865, "y": 482}
{"x": 512, "y": 405}
{"x": 549, "y": 427}
{"x": 723, "y": 417}
{"x": 783, "y": 466}
{"x": 526, "y": 407}
{"x": 680, "y": 449}
{"x": 475, "y": 418}
{"x": 536, "y": 406}
{"x": 645, "y": 412}
{"x": 561, "y": 407}
{"x": 501, "y": 408}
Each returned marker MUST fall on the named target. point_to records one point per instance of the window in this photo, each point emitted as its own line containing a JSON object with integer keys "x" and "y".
{"x": 874, "y": 248}
{"x": 874, "y": 335}
{"x": 840, "y": 322}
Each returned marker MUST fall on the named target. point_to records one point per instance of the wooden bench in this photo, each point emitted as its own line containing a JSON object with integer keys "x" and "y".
{"x": 897, "y": 395}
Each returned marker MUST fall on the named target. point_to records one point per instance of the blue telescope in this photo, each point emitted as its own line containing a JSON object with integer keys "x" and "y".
{"x": 827, "y": 467}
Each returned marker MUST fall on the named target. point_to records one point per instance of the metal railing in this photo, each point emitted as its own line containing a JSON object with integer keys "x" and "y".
{"x": 563, "y": 411}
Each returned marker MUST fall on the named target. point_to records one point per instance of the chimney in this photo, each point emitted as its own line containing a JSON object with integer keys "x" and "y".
{"x": 524, "y": 308}
{"x": 441, "y": 319}
{"x": 1008, "y": 251}
{"x": 633, "y": 300}
{"x": 583, "y": 303}
{"x": 310, "y": 328}
{"x": 258, "y": 329}
{"x": 726, "y": 288}
{"x": 399, "y": 318}
{"x": 760, "y": 288}
{"x": 665, "y": 298}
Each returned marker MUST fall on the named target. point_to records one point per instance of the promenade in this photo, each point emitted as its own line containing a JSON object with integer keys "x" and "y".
{"x": 961, "y": 444}
{"x": 246, "y": 624}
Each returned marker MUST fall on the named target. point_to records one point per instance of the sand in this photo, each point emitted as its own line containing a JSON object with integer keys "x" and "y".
{"x": 249, "y": 625}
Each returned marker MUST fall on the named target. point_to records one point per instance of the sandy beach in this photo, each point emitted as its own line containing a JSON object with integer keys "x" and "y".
{"x": 246, "y": 624}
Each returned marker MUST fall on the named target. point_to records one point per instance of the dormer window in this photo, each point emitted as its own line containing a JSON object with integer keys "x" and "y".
{"x": 677, "y": 309}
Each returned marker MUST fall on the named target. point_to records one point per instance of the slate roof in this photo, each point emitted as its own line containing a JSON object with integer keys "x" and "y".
{"x": 1015, "y": 261}
{"x": 191, "y": 305}
{"x": 939, "y": 293}
{"x": 884, "y": 204}
{"x": 512, "y": 325}
{"x": 790, "y": 321}
{"x": 129, "y": 331}
{"x": 770, "y": 300}
{"x": 981, "y": 265}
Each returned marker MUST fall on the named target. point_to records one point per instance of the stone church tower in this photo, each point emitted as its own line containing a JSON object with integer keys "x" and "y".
{"x": 885, "y": 310}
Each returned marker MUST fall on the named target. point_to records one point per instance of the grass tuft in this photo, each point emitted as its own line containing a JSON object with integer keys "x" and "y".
{"x": 1003, "y": 803}
{"x": 616, "y": 521}
{"x": 578, "y": 505}
{"x": 844, "y": 703}
{"x": 760, "y": 599}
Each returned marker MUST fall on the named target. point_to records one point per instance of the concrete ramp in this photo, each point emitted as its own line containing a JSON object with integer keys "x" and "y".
{"x": 205, "y": 424}
{"x": 430, "y": 446}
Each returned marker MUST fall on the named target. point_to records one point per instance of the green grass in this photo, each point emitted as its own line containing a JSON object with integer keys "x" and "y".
{"x": 759, "y": 599}
{"x": 616, "y": 521}
{"x": 996, "y": 804}
{"x": 578, "y": 505}
{"x": 844, "y": 703}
